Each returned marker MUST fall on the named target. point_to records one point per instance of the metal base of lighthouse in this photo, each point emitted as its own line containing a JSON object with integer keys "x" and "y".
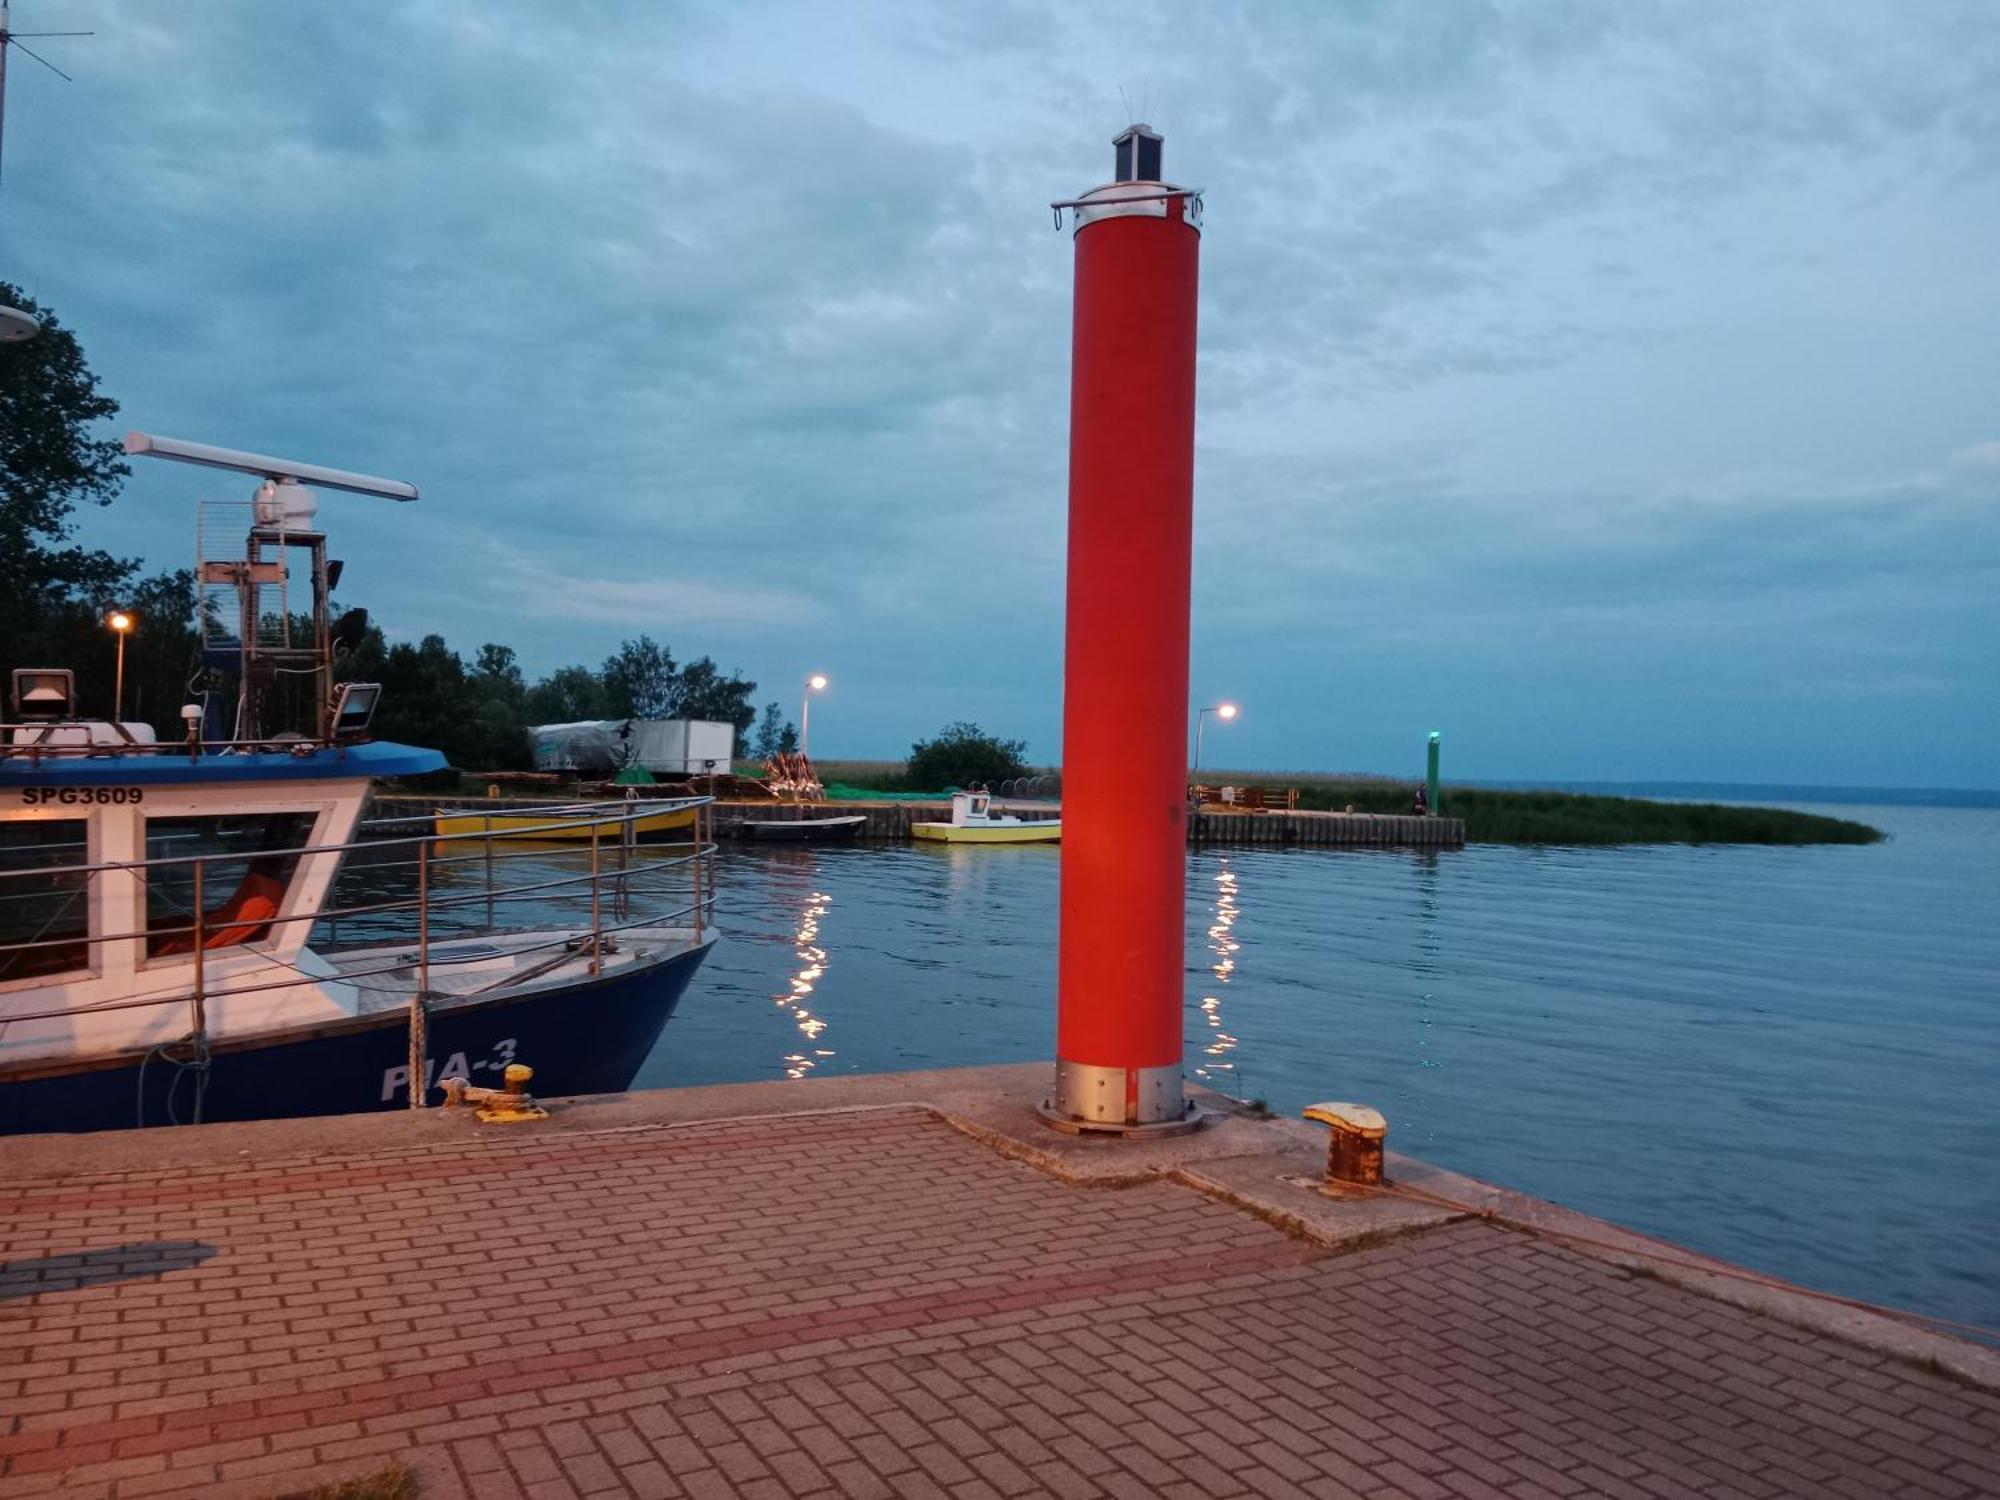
{"x": 1120, "y": 1101}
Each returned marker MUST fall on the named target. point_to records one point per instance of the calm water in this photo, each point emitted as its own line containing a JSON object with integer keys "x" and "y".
{"x": 1786, "y": 1057}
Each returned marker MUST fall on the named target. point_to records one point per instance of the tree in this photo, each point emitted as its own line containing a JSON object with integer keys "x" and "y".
{"x": 424, "y": 697}
{"x": 500, "y": 668}
{"x": 965, "y": 755}
{"x": 54, "y": 594}
{"x": 497, "y": 737}
{"x": 704, "y": 693}
{"x": 49, "y": 464}
{"x": 775, "y": 735}
{"x": 567, "y": 695}
{"x": 640, "y": 681}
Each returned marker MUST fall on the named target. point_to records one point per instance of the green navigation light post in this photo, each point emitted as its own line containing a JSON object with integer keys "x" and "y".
{"x": 1431, "y": 775}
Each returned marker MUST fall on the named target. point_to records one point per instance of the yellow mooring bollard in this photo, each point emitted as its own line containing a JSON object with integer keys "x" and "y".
{"x": 1354, "y": 1150}
{"x": 503, "y": 1106}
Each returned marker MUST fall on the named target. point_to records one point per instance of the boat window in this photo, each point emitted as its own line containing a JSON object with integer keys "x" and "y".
{"x": 44, "y": 900}
{"x": 243, "y": 877}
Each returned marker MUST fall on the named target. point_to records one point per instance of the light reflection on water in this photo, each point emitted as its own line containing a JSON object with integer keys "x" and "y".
{"x": 1687, "y": 1040}
{"x": 812, "y": 960}
{"x": 1218, "y": 1072}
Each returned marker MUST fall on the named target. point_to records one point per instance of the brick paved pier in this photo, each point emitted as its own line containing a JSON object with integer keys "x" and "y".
{"x": 912, "y": 1290}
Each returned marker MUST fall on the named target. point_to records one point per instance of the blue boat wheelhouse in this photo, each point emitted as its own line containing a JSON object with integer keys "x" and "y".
{"x": 169, "y": 928}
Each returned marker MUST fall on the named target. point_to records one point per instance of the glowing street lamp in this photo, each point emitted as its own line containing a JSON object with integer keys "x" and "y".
{"x": 121, "y": 623}
{"x": 1223, "y": 711}
{"x": 814, "y": 684}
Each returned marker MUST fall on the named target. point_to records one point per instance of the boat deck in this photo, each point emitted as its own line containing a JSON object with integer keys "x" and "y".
{"x": 385, "y": 977}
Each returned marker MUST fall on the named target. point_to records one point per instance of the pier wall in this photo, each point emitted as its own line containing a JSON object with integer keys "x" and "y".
{"x": 890, "y": 821}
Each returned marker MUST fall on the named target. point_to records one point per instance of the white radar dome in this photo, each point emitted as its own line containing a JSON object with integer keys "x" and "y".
{"x": 283, "y": 503}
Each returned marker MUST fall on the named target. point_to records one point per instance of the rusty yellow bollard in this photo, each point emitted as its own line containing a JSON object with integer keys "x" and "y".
{"x": 497, "y": 1106}
{"x": 1354, "y": 1149}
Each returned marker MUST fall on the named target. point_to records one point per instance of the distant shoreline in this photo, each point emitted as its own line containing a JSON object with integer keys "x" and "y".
{"x": 1764, "y": 792}
{"x": 1507, "y": 814}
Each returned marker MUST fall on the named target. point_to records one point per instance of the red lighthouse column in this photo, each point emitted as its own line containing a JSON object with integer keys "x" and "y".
{"x": 1131, "y": 517}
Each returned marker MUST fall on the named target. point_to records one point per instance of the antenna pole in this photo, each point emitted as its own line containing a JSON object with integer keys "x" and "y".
{"x": 10, "y": 39}
{"x": 6, "y": 41}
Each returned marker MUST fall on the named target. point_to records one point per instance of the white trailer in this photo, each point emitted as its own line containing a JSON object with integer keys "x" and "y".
{"x": 685, "y": 747}
{"x": 665, "y": 747}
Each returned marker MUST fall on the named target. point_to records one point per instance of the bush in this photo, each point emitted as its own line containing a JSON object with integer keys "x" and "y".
{"x": 965, "y": 755}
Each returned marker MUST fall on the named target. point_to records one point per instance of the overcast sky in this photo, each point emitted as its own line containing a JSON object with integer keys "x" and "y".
{"x": 1613, "y": 387}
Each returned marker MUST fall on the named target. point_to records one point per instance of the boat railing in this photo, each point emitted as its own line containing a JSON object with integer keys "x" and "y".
{"x": 13, "y": 746}
{"x": 619, "y": 890}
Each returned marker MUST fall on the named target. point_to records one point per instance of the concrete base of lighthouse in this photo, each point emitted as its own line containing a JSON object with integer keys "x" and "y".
{"x": 1095, "y": 1100}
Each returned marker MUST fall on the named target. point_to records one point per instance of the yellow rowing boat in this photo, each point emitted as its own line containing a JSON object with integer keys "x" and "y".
{"x": 569, "y": 823}
{"x": 1043, "y": 831}
{"x": 973, "y": 821}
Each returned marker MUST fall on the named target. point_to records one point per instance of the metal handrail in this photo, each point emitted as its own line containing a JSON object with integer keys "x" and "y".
{"x": 35, "y": 750}
{"x": 652, "y": 878}
{"x": 613, "y": 815}
{"x": 334, "y": 914}
{"x": 181, "y": 997}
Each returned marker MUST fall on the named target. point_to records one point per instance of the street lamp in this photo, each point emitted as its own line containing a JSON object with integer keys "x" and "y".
{"x": 121, "y": 623}
{"x": 814, "y": 684}
{"x": 1223, "y": 711}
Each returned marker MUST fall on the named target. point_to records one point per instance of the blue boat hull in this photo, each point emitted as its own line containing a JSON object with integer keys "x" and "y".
{"x": 585, "y": 1039}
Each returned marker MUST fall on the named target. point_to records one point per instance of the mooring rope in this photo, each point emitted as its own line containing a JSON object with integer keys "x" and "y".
{"x": 198, "y": 1065}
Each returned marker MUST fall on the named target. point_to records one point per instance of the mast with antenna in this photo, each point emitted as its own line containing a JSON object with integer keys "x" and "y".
{"x": 10, "y": 38}
{"x": 16, "y": 325}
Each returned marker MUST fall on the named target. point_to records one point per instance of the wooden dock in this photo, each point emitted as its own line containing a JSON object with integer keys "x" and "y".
{"x": 889, "y": 821}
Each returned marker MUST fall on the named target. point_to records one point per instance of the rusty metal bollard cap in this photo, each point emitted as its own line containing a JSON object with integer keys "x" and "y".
{"x": 1354, "y": 1119}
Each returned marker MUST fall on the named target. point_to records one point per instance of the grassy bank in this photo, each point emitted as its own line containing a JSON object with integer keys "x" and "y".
{"x": 1493, "y": 817}
{"x": 890, "y": 777}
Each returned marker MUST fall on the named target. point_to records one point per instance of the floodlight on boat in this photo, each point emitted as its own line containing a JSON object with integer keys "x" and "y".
{"x": 354, "y": 708}
{"x": 44, "y": 692}
{"x": 283, "y": 473}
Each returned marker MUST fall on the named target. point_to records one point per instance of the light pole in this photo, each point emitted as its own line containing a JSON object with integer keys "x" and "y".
{"x": 121, "y": 623}
{"x": 1223, "y": 711}
{"x": 814, "y": 684}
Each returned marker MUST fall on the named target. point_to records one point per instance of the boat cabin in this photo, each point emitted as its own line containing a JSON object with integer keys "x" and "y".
{"x": 130, "y": 872}
{"x": 971, "y": 808}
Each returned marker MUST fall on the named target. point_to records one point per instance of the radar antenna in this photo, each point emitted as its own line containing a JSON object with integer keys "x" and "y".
{"x": 262, "y": 640}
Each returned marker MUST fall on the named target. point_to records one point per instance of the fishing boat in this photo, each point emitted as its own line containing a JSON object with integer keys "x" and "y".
{"x": 973, "y": 821}
{"x": 171, "y": 913}
{"x": 652, "y": 821}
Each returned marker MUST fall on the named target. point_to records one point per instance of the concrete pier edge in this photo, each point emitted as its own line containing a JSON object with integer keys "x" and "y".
{"x": 1264, "y": 1165}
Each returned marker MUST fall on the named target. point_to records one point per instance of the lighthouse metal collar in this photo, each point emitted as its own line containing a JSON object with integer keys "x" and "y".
{"x": 1136, "y": 189}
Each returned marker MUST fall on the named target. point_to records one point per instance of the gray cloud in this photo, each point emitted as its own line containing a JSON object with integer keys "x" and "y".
{"x": 1542, "y": 344}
